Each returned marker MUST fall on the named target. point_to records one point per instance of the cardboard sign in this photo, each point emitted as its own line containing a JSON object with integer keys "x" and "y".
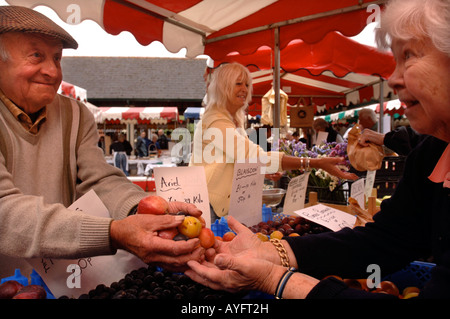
{"x": 328, "y": 217}
{"x": 357, "y": 192}
{"x": 184, "y": 184}
{"x": 74, "y": 277}
{"x": 296, "y": 194}
{"x": 246, "y": 193}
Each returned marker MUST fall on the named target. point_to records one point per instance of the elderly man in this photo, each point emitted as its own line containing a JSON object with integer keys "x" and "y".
{"x": 49, "y": 157}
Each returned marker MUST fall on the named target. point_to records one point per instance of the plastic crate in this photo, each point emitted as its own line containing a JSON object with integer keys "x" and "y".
{"x": 35, "y": 279}
{"x": 385, "y": 185}
{"x": 416, "y": 274}
{"x": 220, "y": 227}
{"x": 338, "y": 196}
{"x": 392, "y": 166}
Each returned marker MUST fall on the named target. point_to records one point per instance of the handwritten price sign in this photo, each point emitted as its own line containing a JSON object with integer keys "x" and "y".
{"x": 184, "y": 184}
{"x": 331, "y": 218}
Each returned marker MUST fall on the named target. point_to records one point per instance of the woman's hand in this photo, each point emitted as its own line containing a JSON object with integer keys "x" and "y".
{"x": 245, "y": 242}
{"x": 333, "y": 166}
{"x": 236, "y": 273}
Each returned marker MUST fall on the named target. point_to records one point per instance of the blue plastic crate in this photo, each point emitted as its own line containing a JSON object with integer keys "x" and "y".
{"x": 416, "y": 274}
{"x": 35, "y": 279}
{"x": 220, "y": 227}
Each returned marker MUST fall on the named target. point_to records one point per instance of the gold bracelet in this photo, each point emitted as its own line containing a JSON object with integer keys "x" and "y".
{"x": 281, "y": 251}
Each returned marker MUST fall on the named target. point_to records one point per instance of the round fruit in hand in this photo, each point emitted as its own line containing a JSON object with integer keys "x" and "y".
{"x": 207, "y": 238}
{"x": 228, "y": 236}
{"x": 153, "y": 204}
{"x": 190, "y": 227}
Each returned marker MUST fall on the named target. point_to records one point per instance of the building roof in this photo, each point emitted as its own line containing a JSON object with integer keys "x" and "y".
{"x": 137, "y": 78}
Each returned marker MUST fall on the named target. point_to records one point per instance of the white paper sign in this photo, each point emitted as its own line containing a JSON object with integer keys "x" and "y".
{"x": 321, "y": 137}
{"x": 184, "y": 184}
{"x": 246, "y": 193}
{"x": 328, "y": 217}
{"x": 73, "y": 277}
{"x": 296, "y": 194}
{"x": 357, "y": 192}
{"x": 370, "y": 181}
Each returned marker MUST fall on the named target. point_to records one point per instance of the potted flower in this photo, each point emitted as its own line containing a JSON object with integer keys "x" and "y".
{"x": 329, "y": 188}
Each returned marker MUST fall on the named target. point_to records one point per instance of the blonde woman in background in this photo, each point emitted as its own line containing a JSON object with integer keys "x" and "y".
{"x": 220, "y": 138}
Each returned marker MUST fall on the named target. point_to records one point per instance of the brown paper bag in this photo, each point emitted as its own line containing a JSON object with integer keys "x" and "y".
{"x": 362, "y": 216}
{"x": 363, "y": 158}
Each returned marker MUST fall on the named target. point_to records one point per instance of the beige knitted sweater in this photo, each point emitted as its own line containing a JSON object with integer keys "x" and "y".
{"x": 42, "y": 174}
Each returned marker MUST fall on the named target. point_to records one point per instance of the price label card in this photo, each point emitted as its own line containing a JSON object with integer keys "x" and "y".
{"x": 328, "y": 217}
{"x": 246, "y": 193}
{"x": 296, "y": 194}
{"x": 370, "y": 181}
{"x": 73, "y": 277}
{"x": 321, "y": 137}
{"x": 357, "y": 192}
{"x": 184, "y": 184}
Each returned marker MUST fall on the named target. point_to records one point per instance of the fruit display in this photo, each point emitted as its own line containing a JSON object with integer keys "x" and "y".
{"x": 385, "y": 287}
{"x": 12, "y": 289}
{"x": 155, "y": 205}
{"x": 191, "y": 227}
{"x": 287, "y": 226}
{"x": 154, "y": 283}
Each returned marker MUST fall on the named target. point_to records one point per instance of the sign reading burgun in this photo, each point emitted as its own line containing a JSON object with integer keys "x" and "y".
{"x": 246, "y": 193}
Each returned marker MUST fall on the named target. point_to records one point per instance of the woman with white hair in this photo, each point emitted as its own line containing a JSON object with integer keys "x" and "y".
{"x": 414, "y": 223}
{"x": 220, "y": 139}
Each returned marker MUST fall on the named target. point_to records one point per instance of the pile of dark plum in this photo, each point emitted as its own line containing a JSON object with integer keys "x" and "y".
{"x": 154, "y": 283}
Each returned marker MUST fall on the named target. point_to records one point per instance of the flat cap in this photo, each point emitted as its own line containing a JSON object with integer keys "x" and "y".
{"x": 22, "y": 19}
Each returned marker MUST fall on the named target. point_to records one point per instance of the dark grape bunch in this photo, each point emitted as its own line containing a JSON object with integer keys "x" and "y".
{"x": 153, "y": 283}
{"x": 289, "y": 226}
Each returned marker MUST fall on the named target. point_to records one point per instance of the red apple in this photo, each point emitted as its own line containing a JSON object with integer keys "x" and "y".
{"x": 153, "y": 204}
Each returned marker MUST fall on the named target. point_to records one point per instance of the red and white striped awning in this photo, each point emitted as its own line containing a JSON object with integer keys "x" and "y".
{"x": 217, "y": 27}
{"x": 140, "y": 115}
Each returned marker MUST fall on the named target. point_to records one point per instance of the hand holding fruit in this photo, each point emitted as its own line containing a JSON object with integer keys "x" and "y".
{"x": 139, "y": 234}
{"x": 244, "y": 241}
{"x": 233, "y": 273}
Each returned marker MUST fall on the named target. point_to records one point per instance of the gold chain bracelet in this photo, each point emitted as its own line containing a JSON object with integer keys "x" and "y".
{"x": 281, "y": 251}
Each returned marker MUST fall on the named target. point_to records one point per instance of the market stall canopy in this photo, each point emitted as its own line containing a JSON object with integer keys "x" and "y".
{"x": 73, "y": 91}
{"x": 194, "y": 113}
{"x": 325, "y": 91}
{"x": 80, "y": 94}
{"x": 391, "y": 108}
{"x": 217, "y": 27}
{"x": 140, "y": 115}
{"x": 335, "y": 70}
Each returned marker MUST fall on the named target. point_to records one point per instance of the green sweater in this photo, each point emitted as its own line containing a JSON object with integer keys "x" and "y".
{"x": 42, "y": 174}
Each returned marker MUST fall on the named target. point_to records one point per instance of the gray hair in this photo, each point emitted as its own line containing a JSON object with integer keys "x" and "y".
{"x": 416, "y": 19}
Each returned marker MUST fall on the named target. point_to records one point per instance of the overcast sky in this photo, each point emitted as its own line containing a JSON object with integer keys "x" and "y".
{"x": 94, "y": 41}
